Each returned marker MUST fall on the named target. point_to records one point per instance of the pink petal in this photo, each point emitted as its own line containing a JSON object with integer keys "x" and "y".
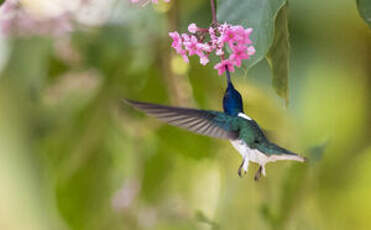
{"x": 204, "y": 60}
{"x": 174, "y": 35}
{"x": 192, "y": 28}
{"x": 185, "y": 37}
{"x": 251, "y": 50}
{"x": 185, "y": 58}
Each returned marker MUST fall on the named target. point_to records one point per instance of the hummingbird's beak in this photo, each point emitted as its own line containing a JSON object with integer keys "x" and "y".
{"x": 228, "y": 75}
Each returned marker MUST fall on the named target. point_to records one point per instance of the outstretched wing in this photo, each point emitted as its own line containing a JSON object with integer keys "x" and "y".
{"x": 209, "y": 123}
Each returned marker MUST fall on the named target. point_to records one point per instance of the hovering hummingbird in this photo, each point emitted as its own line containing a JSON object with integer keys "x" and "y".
{"x": 234, "y": 125}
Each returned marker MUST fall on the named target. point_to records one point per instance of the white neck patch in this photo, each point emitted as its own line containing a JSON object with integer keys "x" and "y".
{"x": 244, "y": 116}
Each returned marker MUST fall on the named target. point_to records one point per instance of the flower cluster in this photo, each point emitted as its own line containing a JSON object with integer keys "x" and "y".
{"x": 222, "y": 37}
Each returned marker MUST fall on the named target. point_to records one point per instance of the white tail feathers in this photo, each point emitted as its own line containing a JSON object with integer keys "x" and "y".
{"x": 287, "y": 157}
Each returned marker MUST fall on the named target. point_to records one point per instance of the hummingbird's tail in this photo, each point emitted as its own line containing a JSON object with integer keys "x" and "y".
{"x": 276, "y": 152}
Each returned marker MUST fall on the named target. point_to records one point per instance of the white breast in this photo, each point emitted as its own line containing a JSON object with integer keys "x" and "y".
{"x": 253, "y": 155}
{"x": 258, "y": 157}
{"x": 241, "y": 147}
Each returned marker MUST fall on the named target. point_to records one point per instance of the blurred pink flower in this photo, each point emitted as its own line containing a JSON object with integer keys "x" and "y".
{"x": 145, "y": 2}
{"x": 14, "y": 20}
{"x": 7, "y": 12}
{"x": 124, "y": 197}
{"x": 8, "y": 5}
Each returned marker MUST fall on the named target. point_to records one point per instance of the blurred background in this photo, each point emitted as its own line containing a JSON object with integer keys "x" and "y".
{"x": 73, "y": 156}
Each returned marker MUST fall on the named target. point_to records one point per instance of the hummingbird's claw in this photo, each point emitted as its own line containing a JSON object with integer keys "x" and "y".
{"x": 243, "y": 167}
{"x": 258, "y": 173}
{"x": 240, "y": 170}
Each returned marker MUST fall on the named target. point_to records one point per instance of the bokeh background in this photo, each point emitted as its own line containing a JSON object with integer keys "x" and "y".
{"x": 73, "y": 156}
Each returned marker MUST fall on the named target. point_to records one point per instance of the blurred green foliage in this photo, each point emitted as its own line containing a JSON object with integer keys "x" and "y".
{"x": 73, "y": 156}
{"x": 364, "y": 8}
{"x": 279, "y": 53}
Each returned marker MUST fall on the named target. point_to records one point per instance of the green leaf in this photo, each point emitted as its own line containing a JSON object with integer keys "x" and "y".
{"x": 316, "y": 152}
{"x": 364, "y": 8}
{"x": 258, "y": 14}
{"x": 1, "y": 2}
{"x": 278, "y": 55}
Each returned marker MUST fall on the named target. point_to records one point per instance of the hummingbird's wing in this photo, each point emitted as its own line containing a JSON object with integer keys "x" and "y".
{"x": 209, "y": 123}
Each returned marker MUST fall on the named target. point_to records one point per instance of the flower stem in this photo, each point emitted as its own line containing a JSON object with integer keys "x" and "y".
{"x": 213, "y": 12}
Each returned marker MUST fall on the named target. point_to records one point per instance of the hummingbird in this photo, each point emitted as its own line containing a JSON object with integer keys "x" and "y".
{"x": 233, "y": 124}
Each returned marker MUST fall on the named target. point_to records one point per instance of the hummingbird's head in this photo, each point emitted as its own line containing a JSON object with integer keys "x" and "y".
{"x": 232, "y": 101}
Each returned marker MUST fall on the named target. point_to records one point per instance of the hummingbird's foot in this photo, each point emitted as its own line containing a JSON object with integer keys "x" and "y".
{"x": 243, "y": 167}
{"x": 258, "y": 173}
{"x": 263, "y": 170}
{"x": 240, "y": 169}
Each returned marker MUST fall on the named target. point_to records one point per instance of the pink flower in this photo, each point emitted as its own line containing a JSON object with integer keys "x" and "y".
{"x": 219, "y": 52}
{"x": 206, "y": 47}
{"x": 177, "y": 42}
{"x": 204, "y": 60}
{"x": 176, "y": 38}
{"x": 192, "y": 28}
{"x": 239, "y": 31}
{"x": 184, "y": 56}
{"x": 222, "y": 65}
{"x": 229, "y": 35}
{"x": 186, "y": 37}
{"x": 192, "y": 46}
{"x": 239, "y": 53}
{"x": 212, "y": 34}
{"x": 246, "y": 36}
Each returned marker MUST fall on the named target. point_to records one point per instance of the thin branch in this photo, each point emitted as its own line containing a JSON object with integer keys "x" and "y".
{"x": 213, "y": 12}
